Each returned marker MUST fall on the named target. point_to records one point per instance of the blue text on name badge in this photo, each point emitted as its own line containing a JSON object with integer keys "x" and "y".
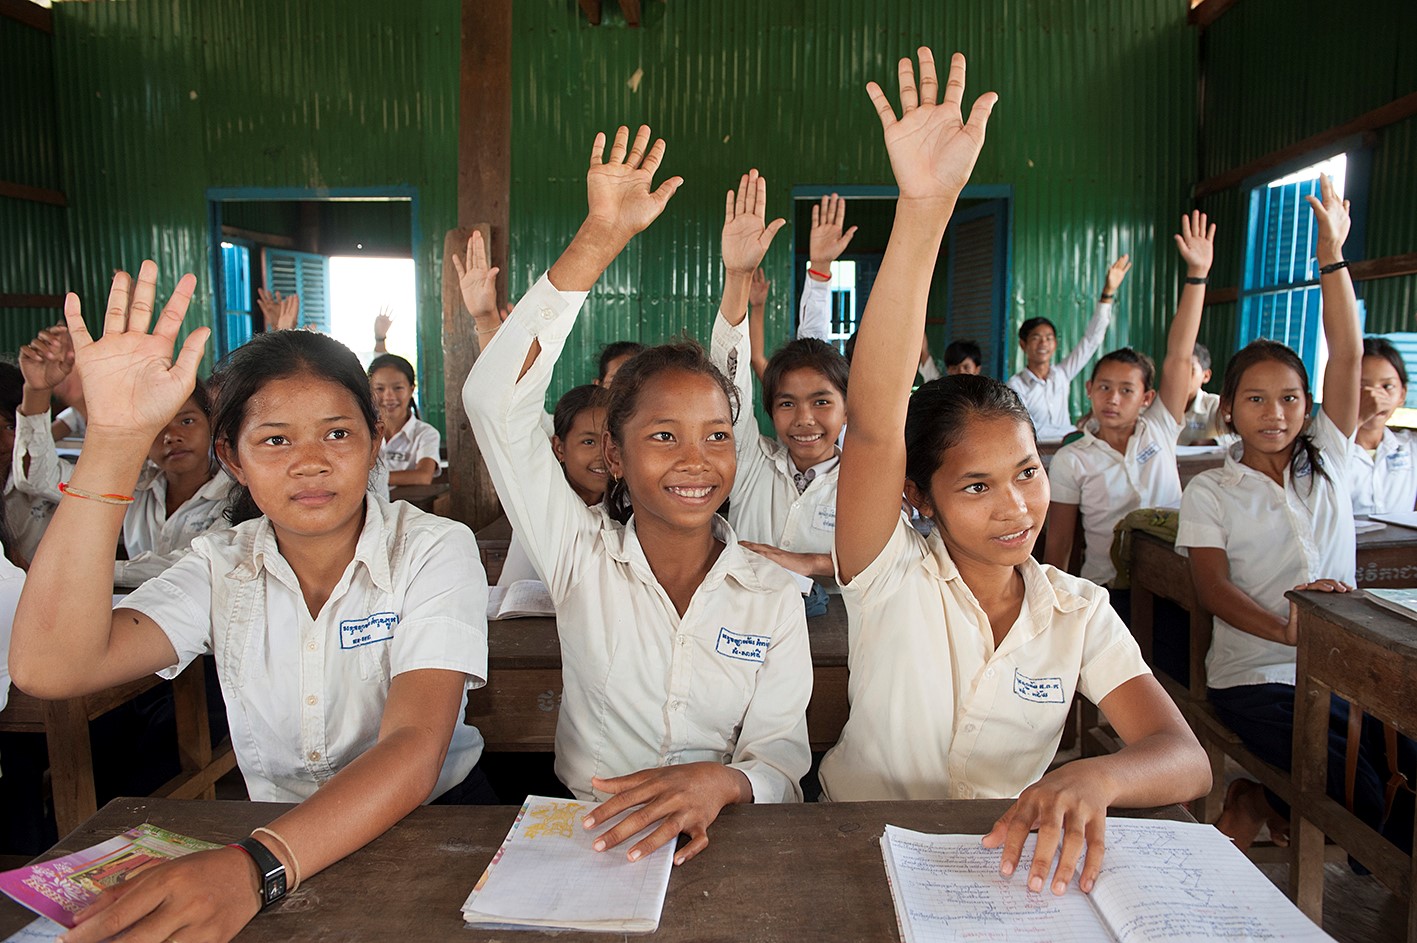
{"x": 1148, "y": 453}
{"x": 824, "y": 518}
{"x": 743, "y": 647}
{"x": 1396, "y": 460}
{"x": 378, "y": 627}
{"x": 1039, "y": 690}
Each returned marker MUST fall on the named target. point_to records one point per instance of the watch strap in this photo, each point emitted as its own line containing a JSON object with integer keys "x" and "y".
{"x": 272, "y": 872}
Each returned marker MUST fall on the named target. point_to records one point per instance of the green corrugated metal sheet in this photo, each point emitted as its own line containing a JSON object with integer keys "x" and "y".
{"x": 1392, "y": 227}
{"x": 1094, "y": 132}
{"x": 162, "y": 99}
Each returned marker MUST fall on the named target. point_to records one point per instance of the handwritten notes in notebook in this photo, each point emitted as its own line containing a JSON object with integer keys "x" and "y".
{"x": 546, "y": 876}
{"x": 1161, "y": 882}
{"x": 521, "y": 600}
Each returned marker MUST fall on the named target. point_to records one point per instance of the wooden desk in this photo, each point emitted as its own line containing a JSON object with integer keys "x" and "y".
{"x": 772, "y": 872}
{"x": 1368, "y": 656}
{"x": 65, "y": 725}
{"x": 1387, "y": 558}
{"x": 420, "y": 496}
{"x": 518, "y": 707}
{"x": 492, "y": 542}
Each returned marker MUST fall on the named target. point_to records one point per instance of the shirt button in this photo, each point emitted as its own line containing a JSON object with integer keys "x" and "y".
{"x": 312, "y": 646}
{"x": 989, "y": 673}
{"x": 969, "y": 728}
{"x": 547, "y": 314}
{"x": 312, "y": 700}
{"x": 314, "y": 754}
{"x": 683, "y": 640}
{"x": 676, "y": 705}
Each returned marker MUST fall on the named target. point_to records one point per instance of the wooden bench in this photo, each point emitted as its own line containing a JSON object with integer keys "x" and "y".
{"x": 65, "y": 724}
{"x": 1368, "y": 656}
{"x": 492, "y": 543}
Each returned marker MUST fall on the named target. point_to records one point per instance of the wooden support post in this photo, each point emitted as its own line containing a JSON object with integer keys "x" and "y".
{"x": 484, "y": 189}
{"x": 194, "y": 736}
{"x": 66, "y": 724}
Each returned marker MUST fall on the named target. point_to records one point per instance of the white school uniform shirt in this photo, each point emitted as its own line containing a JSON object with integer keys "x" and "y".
{"x": 728, "y": 682}
{"x": 1386, "y": 481}
{"x": 1202, "y": 420}
{"x": 12, "y": 583}
{"x": 765, "y": 505}
{"x": 936, "y": 710}
{"x": 1275, "y": 538}
{"x": 413, "y": 443}
{"x": 305, "y": 695}
{"x": 1106, "y": 485}
{"x": 517, "y": 565}
{"x": 72, "y": 418}
{"x": 1047, "y": 400}
{"x": 814, "y": 311}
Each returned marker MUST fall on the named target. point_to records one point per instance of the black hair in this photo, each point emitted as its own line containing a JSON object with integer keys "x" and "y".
{"x": 960, "y": 351}
{"x": 574, "y": 402}
{"x": 1381, "y": 347}
{"x": 1202, "y": 355}
{"x": 614, "y": 351}
{"x": 630, "y": 382}
{"x": 1132, "y": 358}
{"x": 12, "y": 391}
{"x": 1033, "y": 324}
{"x": 277, "y": 355}
{"x": 807, "y": 353}
{"x": 937, "y": 415}
{"x": 398, "y": 363}
{"x": 1306, "y": 453}
{"x": 849, "y": 348}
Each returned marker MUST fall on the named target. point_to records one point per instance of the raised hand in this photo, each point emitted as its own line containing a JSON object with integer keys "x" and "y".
{"x": 478, "y": 283}
{"x": 746, "y": 234}
{"x": 1196, "y": 243}
{"x": 382, "y": 322}
{"x": 758, "y": 290}
{"x": 932, "y": 149}
{"x": 280, "y": 312}
{"x": 132, "y": 385}
{"x": 618, "y": 190}
{"x": 47, "y": 360}
{"x": 1117, "y": 272}
{"x": 827, "y": 242}
{"x": 1333, "y": 221}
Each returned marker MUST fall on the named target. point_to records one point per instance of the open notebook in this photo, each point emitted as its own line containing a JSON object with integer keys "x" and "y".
{"x": 521, "y": 600}
{"x": 546, "y": 876}
{"x": 1177, "y": 882}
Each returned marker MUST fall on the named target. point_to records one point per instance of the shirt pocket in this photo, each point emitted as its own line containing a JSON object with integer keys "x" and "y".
{"x": 730, "y": 679}
{"x": 370, "y": 638}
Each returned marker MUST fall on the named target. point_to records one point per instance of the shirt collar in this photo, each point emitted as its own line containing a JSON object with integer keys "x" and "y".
{"x": 373, "y": 549}
{"x": 152, "y": 479}
{"x": 783, "y": 460}
{"x": 622, "y": 543}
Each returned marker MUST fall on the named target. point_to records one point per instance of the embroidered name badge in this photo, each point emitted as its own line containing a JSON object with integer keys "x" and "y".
{"x": 824, "y": 518}
{"x": 378, "y": 627}
{"x": 1039, "y": 690}
{"x": 1398, "y": 460}
{"x": 1148, "y": 453}
{"x": 743, "y": 647}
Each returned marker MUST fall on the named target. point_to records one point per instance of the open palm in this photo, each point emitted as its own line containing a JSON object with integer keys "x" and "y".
{"x": 131, "y": 382}
{"x": 619, "y": 190}
{"x": 477, "y": 281}
{"x": 1196, "y": 241}
{"x": 746, "y": 234}
{"x": 932, "y": 149}
{"x": 46, "y": 361}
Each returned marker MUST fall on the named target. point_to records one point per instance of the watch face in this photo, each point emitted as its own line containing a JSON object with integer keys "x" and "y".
{"x": 274, "y": 888}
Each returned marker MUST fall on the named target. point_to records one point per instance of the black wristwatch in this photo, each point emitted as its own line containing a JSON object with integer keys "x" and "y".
{"x": 268, "y": 866}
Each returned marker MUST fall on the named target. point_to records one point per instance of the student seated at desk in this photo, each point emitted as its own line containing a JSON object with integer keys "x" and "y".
{"x": 783, "y": 502}
{"x": 1278, "y": 517}
{"x": 181, "y": 494}
{"x": 1042, "y": 385}
{"x": 965, "y": 652}
{"x": 410, "y": 446}
{"x": 1201, "y": 423}
{"x": 1382, "y": 473}
{"x": 26, "y": 516}
{"x": 685, "y": 658}
{"x": 1126, "y": 458}
{"x": 346, "y": 630}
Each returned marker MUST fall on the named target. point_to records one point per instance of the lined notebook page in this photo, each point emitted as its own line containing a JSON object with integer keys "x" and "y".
{"x": 1180, "y": 882}
{"x": 547, "y": 875}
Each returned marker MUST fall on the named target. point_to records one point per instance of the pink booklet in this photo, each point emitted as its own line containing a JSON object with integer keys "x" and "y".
{"x": 62, "y": 887}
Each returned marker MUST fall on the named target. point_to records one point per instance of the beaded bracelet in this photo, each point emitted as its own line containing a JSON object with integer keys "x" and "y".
{"x": 70, "y": 491}
{"x": 294, "y": 861}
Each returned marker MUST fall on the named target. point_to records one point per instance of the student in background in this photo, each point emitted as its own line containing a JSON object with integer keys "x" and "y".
{"x": 1126, "y": 458}
{"x": 687, "y": 670}
{"x": 180, "y": 495}
{"x": 278, "y": 312}
{"x": 826, "y": 241}
{"x": 1278, "y": 517}
{"x": 1382, "y": 474}
{"x": 383, "y": 321}
{"x": 1042, "y": 385}
{"x": 965, "y": 652}
{"x": 1201, "y": 424}
{"x": 613, "y": 356}
{"x": 26, "y": 516}
{"x": 783, "y": 502}
{"x": 411, "y": 446}
{"x": 963, "y": 357}
{"x": 346, "y": 630}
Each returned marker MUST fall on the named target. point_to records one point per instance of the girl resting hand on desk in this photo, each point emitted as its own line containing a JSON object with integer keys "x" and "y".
{"x": 965, "y": 652}
{"x": 684, "y": 655}
{"x": 346, "y": 630}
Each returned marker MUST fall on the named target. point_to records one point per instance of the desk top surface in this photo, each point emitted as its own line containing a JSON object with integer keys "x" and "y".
{"x": 772, "y": 872}
{"x": 1390, "y": 537}
{"x": 1355, "y": 613}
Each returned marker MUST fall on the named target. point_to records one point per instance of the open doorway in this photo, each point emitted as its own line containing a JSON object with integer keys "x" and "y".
{"x": 347, "y": 257}
{"x": 969, "y": 290}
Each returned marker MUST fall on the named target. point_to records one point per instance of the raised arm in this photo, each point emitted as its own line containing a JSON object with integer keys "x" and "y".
{"x": 1096, "y": 330}
{"x": 1196, "y": 243}
{"x": 67, "y": 638}
{"x": 825, "y": 244}
{"x": 757, "y": 318}
{"x": 745, "y": 240}
{"x": 932, "y": 152}
{"x": 1343, "y": 376}
{"x": 37, "y": 469}
{"x": 382, "y": 322}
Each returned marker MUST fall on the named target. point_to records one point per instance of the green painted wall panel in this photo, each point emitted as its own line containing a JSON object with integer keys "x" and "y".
{"x": 162, "y": 99}
{"x": 1093, "y": 132}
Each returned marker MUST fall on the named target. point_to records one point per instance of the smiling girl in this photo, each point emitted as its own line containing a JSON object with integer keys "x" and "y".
{"x": 1382, "y": 473}
{"x": 410, "y": 448}
{"x": 345, "y": 630}
{"x": 685, "y": 658}
{"x": 965, "y": 652}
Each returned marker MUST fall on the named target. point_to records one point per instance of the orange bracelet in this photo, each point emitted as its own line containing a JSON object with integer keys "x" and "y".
{"x": 819, "y": 276}
{"x": 117, "y": 499}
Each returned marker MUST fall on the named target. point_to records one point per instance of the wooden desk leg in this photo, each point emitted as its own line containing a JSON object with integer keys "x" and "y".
{"x": 1310, "y": 771}
{"x": 66, "y": 728}
{"x": 194, "y": 736}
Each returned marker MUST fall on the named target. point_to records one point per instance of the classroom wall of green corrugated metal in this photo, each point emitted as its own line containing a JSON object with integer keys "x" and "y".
{"x": 1279, "y": 71}
{"x": 1094, "y": 131}
{"x": 162, "y": 99}
{"x": 33, "y": 236}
